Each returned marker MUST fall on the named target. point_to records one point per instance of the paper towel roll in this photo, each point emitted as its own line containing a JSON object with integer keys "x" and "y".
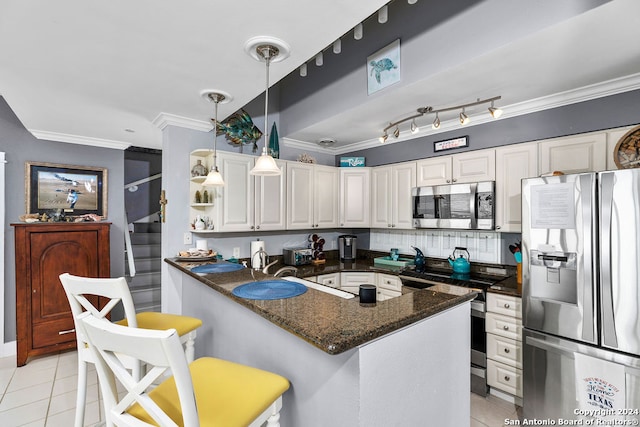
{"x": 256, "y": 257}
{"x": 202, "y": 245}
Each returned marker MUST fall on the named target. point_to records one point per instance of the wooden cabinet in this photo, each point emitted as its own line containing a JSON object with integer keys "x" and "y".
{"x": 473, "y": 166}
{"x": 504, "y": 343}
{"x": 513, "y": 163}
{"x": 312, "y": 200}
{"x": 246, "y": 202}
{"x": 354, "y": 197}
{"x": 44, "y": 321}
{"x": 391, "y": 195}
{"x": 582, "y": 153}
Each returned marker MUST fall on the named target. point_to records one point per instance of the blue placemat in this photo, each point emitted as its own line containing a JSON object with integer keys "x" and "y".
{"x": 270, "y": 289}
{"x": 217, "y": 268}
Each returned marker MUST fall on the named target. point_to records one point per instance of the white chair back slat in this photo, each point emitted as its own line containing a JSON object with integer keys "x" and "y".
{"x": 161, "y": 350}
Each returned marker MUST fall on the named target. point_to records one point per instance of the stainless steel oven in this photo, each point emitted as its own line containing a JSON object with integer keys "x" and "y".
{"x": 416, "y": 280}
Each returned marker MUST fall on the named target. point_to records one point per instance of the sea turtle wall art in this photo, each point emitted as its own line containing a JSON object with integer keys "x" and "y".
{"x": 383, "y": 67}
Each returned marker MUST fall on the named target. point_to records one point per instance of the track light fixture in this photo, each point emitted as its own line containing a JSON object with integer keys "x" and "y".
{"x": 495, "y": 112}
{"x": 436, "y": 122}
{"x": 463, "y": 117}
{"x": 414, "y": 126}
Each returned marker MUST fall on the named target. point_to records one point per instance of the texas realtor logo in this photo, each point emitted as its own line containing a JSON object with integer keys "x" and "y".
{"x": 600, "y": 393}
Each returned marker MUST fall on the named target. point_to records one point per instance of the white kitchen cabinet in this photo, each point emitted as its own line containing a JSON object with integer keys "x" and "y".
{"x": 388, "y": 286}
{"x": 504, "y": 343}
{"x": 472, "y": 166}
{"x": 354, "y": 197}
{"x": 331, "y": 279}
{"x": 582, "y": 153}
{"x": 312, "y": 200}
{"x": 613, "y": 137}
{"x": 391, "y": 195}
{"x": 246, "y": 202}
{"x": 351, "y": 281}
{"x": 513, "y": 163}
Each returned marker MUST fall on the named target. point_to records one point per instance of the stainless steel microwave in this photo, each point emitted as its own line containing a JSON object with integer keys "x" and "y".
{"x": 463, "y": 206}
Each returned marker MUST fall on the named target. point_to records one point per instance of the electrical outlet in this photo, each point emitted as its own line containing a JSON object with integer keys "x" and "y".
{"x": 236, "y": 253}
{"x": 188, "y": 239}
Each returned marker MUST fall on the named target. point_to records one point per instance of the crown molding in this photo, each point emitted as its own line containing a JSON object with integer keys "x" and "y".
{"x": 163, "y": 120}
{"x": 307, "y": 146}
{"x": 79, "y": 139}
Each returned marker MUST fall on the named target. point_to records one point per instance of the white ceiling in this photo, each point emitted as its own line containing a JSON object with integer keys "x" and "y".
{"x": 87, "y": 72}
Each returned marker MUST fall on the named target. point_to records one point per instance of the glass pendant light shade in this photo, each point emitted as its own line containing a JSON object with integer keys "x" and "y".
{"x": 265, "y": 165}
{"x": 214, "y": 179}
{"x": 268, "y": 50}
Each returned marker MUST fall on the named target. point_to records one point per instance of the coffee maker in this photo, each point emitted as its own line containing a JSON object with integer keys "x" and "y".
{"x": 347, "y": 247}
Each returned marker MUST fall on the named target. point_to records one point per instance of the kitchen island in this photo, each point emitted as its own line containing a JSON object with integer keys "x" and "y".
{"x": 403, "y": 361}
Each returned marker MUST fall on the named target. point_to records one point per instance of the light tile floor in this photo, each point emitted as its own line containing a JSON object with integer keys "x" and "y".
{"x": 43, "y": 394}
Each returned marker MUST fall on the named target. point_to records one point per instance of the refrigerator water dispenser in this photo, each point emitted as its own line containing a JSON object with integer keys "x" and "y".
{"x": 554, "y": 276}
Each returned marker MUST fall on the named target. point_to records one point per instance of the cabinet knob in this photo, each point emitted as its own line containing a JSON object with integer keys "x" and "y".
{"x": 448, "y": 181}
{"x": 388, "y": 225}
{"x": 507, "y": 378}
{"x": 252, "y": 227}
{"x": 506, "y": 305}
{"x": 258, "y": 227}
{"x": 506, "y": 350}
{"x": 454, "y": 180}
{"x": 498, "y": 227}
{"x": 505, "y": 327}
{"x": 317, "y": 225}
{"x": 393, "y": 225}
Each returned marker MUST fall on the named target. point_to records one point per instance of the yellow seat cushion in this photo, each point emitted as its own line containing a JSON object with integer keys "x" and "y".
{"x": 227, "y": 394}
{"x": 163, "y": 321}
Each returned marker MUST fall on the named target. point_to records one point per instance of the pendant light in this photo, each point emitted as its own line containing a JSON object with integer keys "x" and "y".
{"x": 214, "y": 178}
{"x": 267, "y": 50}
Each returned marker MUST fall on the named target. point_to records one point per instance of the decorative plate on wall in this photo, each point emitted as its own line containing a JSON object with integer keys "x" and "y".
{"x": 626, "y": 155}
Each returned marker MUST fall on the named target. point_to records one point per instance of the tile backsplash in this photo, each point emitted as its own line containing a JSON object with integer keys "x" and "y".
{"x": 483, "y": 246}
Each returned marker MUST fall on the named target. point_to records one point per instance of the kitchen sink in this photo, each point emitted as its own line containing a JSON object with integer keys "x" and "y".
{"x": 319, "y": 287}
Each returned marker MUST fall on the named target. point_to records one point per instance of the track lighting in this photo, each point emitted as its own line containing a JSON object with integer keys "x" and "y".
{"x": 463, "y": 117}
{"x": 383, "y": 138}
{"x": 412, "y": 1}
{"x": 303, "y": 70}
{"x": 436, "y": 122}
{"x": 495, "y": 112}
{"x": 319, "y": 59}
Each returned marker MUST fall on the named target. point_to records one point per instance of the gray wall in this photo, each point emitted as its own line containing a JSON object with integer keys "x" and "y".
{"x": 598, "y": 114}
{"x": 20, "y": 146}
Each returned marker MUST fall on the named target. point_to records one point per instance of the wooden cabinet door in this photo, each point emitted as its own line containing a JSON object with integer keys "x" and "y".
{"x": 325, "y": 203}
{"x": 583, "y": 153}
{"x": 474, "y": 166}
{"x": 434, "y": 171}
{"x": 51, "y": 255}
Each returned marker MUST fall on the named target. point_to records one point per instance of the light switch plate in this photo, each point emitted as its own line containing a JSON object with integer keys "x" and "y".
{"x": 236, "y": 253}
{"x": 188, "y": 239}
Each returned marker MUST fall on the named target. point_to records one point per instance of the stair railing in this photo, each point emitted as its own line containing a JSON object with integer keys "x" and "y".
{"x": 129, "y": 248}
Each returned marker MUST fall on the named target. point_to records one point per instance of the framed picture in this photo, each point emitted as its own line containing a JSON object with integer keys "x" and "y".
{"x": 76, "y": 190}
{"x": 448, "y": 144}
{"x": 383, "y": 67}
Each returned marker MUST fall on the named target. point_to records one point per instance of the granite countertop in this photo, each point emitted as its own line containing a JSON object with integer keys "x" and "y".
{"x": 331, "y": 323}
{"x": 508, "y": 286}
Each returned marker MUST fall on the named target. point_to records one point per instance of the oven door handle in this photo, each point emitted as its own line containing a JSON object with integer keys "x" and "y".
{"x": 477, "y": 311}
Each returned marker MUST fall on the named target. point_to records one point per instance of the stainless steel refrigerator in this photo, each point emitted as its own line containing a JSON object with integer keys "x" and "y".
{"x": 581, "y": 297}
